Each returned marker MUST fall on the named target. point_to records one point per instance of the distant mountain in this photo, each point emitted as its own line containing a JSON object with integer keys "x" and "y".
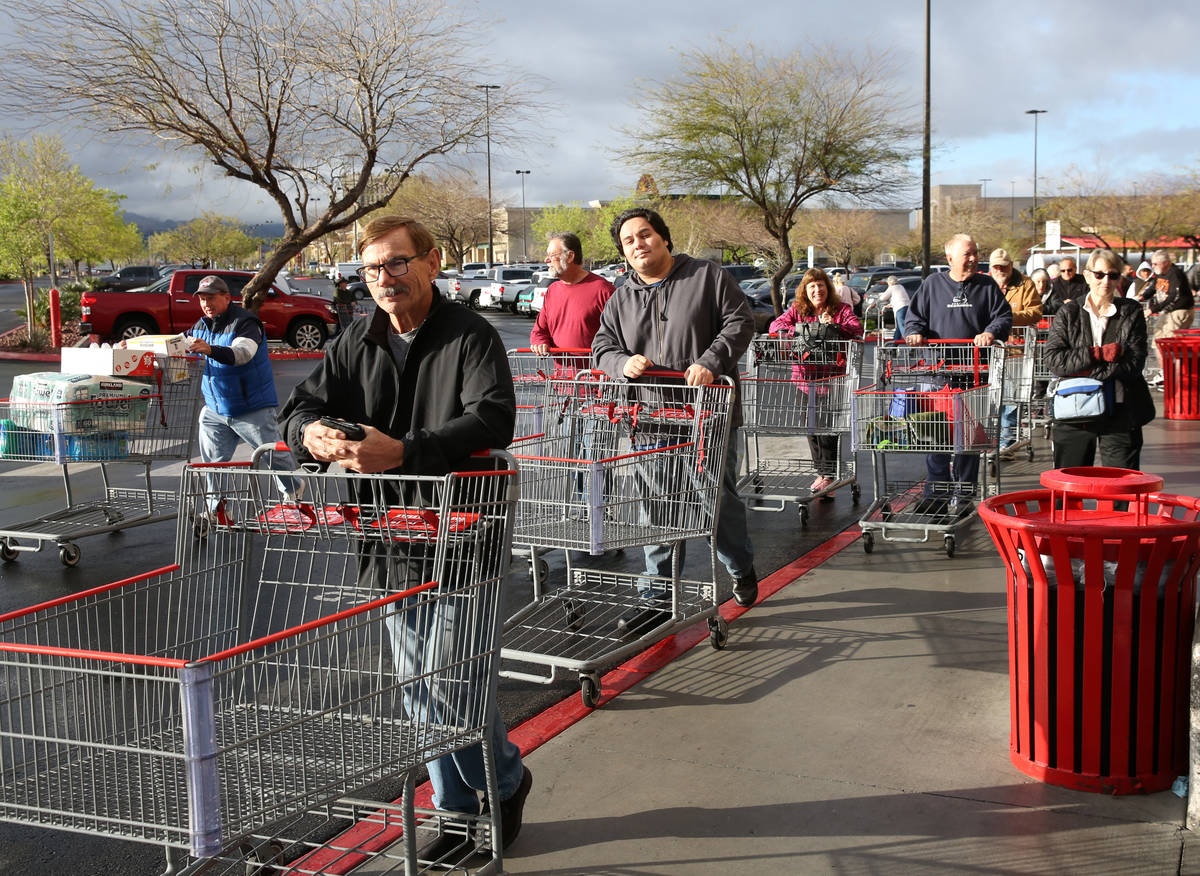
{"x": 148, "y": 225}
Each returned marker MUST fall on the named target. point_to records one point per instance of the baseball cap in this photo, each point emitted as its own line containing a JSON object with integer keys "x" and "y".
{"x": 999, "y": 257}
{"x": 211, "y": 285}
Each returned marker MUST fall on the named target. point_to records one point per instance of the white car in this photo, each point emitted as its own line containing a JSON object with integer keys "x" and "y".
{"x": 502, "y": 295}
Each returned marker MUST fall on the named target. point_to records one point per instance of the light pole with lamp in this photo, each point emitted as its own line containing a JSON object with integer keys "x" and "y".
{"x": 1035, "y": 113}
{"x": 985, "y": 180}
{"x": 487, "y": 122}
{"x": 1012, "y": 205}
{"x": 524, "y": 218}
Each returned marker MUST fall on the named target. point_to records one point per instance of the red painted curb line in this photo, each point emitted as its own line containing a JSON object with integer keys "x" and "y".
{"x": 342, "y": 854}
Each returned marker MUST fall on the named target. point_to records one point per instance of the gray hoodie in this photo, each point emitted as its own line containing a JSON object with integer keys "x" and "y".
{"x": 697, "y": 315}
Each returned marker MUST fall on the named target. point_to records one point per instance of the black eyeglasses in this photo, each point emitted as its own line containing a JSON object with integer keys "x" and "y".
{"x": 395, "y": 268}
{"x": 1066, "y": 270}
{"x": 1112, "y": 275}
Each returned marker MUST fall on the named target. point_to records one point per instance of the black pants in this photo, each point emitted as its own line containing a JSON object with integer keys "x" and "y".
{"x": 1075, "y": 444}
{"x": 824, "y": 450}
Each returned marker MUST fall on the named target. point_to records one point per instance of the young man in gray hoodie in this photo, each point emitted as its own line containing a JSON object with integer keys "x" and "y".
{"x": 677, "y": 313}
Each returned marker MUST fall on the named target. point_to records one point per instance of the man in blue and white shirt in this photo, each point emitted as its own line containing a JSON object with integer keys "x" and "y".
{"x": 238, "y": 384}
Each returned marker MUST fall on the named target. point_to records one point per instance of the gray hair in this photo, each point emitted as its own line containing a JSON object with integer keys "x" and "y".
{"x": 1162, "y": 255}
{"x": 1041, "y": 271}
{"x": 958, "y": 238}
{"x": 570, "y": 242}
{"x": 893, "y": 280}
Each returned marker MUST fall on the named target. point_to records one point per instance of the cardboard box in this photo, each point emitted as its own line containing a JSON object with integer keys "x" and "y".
{"x": 174, "y": 346}
{"x": 107, "y": 361}
{"x": 49, "y": 401}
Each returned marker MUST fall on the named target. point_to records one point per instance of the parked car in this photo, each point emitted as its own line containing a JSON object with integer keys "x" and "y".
{"x": 304, "y": 321}
{"x": 743, "y": 272}
{"x": 762, "y": 308}
{"x": 469, "y": 289}
{"x": 130, "y": 277}
{"x": 755, "y": 283}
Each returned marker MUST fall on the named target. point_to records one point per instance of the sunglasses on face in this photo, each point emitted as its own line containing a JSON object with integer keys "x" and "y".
{"x": 1112, "y": 275}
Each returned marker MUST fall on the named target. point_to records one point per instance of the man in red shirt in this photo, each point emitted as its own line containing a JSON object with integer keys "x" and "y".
{"x": 570, "y": 315}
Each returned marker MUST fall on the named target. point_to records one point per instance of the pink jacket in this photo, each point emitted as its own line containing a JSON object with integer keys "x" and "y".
{"x": 843, "y": 319}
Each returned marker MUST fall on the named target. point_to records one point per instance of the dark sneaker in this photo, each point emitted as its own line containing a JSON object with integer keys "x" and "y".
{"x": 645, "y": 616}
{"x": 745, "y": 589}
{"x": 512, "y": 809}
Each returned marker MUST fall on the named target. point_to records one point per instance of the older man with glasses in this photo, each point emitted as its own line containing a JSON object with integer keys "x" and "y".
{"x": 1167, "y": 293}
{"x": 1067, "y": 286}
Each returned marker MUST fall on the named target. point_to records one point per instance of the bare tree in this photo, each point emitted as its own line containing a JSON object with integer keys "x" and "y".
{"x": 452, "y": 204}
{"x": 848, "y": 236}
{"x": 320, "y": 103}
{"x": 731, "y": 226}
{"x": 775, "y": 131}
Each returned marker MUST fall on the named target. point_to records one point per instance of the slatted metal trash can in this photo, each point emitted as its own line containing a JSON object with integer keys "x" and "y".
{"x": 1101, "y": 599}
{"x": 1181, "y": 376}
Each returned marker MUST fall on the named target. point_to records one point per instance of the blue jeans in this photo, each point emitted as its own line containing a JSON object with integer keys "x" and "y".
{"x": 219, "y": 438}
{"x": 899, "y": 335}
{"x": 734, "y": 548}
{"x": 426, "y": 639}
{"x": 1008, "y": 424}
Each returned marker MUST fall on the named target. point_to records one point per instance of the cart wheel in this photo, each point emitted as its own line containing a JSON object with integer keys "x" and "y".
{"x": 991, "y": 468}
{"x": 718, "y": 632}
{"x": 950, "y": 545}
{"x": 589, "y": 691}
{"x": 543, "y": 568}
{"x": 1029, "y": 451}
{"x": 855, "y": 492}
{"x": 868, "y": 540}
{"x": 260, "y": 861}
{"x": 574, "y": 615}
{"x": 69, "y": 554}
{"x": 200, "y": 527}
{"x": 8, "y": 553}
{"x": 804, "y": 515}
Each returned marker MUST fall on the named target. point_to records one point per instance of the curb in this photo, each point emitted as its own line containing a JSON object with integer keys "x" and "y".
{"x": 372, "y": 834}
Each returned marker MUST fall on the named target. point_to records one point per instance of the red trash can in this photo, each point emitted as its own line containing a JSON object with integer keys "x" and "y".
{"x": 1181, "y": 376}
{"x": 1101, "y": 598}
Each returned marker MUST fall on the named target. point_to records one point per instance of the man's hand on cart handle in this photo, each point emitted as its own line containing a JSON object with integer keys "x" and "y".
{"x": 984, "y": 339}
{"x": 698, "y": 375}
{"x": 636, "y": 365}
{"x": 914, "y": 340}
{"x": 377, "y": 452}
{"x": 540, "y": 349}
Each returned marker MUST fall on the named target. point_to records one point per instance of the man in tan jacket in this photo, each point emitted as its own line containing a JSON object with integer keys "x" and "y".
{"x": 1022, "y": 295}
{"x": 1026, "y": 306}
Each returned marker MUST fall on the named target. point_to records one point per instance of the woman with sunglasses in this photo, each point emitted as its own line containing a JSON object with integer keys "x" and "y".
{"x": 1103, "y": 336}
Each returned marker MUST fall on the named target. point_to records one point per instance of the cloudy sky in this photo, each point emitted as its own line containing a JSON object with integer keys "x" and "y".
{"x": 1119, "y": 88}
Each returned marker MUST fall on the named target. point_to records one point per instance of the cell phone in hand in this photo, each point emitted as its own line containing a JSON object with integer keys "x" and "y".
{"x": 352, "y": 431}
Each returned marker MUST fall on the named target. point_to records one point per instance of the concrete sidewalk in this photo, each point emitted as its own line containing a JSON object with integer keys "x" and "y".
{"x": 857, "y": 723}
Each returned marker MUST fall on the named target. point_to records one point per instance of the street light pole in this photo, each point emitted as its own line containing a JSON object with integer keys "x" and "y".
{"x": 524, "y": 219}
{"x": 1035, "y": 113}
{"x": 925, "y": 151}
{"x": 985, "y": 180}
{"x": 1012, "y": 206}
{"x": 487, "y": 122}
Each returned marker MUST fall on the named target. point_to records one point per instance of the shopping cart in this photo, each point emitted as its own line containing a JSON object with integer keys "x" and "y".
{"x": 623, "y": 464}
{"x": 796, "y": 386}
{"x": 117, "y": 433}
{"x": 214, "y": 705}
{"x": 1041, "y": 376}
{"x": 1020, "y": 356}
{"x": 943, "y": 398}
{"x": 530, "y": 373}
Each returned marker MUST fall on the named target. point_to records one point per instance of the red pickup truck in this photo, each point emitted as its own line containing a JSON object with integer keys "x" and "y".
{"x": 170, "y": 307}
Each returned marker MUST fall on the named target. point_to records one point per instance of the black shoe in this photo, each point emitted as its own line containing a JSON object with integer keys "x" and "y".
{"x": 745, "y": 589}
{"x": 511, "y": 810}
{"x": 645, "y": 616}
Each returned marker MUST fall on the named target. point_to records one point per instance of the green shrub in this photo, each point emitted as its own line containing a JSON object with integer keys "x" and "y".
{"x": 68, "y": 304}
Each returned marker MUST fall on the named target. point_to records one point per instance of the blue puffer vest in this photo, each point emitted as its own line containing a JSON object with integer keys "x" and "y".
{"x": 233, "y": 390}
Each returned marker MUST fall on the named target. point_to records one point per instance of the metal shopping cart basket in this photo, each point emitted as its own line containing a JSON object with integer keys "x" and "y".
{"x": 210, "y": 706}
{"x": 1020, "y": 357}
{"x": 625, "y": 464}
{"x": 796, "y": 386}
{"x": 531, "y": 371}
{"x": 1041, "y": 375}
{"x": 943, "y": 398}
{"x": 154, "y": 420}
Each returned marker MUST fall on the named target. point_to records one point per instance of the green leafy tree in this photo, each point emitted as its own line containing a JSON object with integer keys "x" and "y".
{"x": 590, "y": 223}
{"x": 98, "y": 231}
{"x": 209, "y": 240}
{"x": 21, "y": 252}
{"x": 775, "y": 132}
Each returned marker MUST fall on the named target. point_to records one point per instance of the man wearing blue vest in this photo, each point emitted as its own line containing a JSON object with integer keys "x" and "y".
{"x": 238, "y": 384}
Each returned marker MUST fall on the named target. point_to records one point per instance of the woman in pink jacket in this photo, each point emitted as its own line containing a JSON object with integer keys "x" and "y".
{"x": 814, "y": 307}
